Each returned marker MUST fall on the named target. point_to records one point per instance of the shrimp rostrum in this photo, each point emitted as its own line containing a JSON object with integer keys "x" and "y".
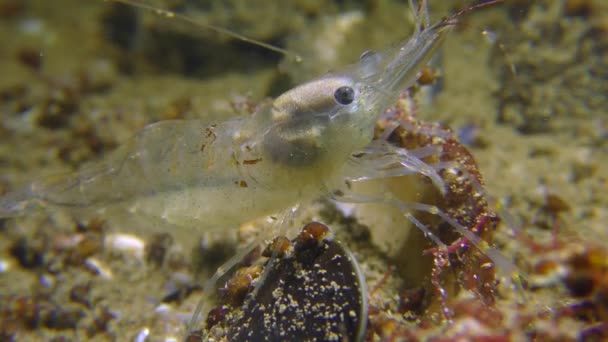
{"x": 310, "y": 141}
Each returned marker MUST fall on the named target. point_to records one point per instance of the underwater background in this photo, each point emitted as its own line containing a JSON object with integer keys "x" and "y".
{"x": 524, "y": 84}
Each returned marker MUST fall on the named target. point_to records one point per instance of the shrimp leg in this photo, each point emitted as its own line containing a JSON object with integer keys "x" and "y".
{"x": 381, "y": 160}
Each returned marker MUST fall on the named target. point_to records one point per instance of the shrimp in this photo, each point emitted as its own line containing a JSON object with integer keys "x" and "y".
{"x": 290, "y": 150}
{"x": 309, "y": 142}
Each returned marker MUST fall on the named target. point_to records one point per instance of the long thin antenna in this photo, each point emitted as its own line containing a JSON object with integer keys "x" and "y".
{"x": 170, "y": 14}
{"x": 466, "y": 10}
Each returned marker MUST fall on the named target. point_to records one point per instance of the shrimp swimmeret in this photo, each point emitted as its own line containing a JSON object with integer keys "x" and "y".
{"x": 305, "y": 144}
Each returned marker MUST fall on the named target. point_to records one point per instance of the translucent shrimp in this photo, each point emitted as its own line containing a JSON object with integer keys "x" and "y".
{"x": 288, "y": 151}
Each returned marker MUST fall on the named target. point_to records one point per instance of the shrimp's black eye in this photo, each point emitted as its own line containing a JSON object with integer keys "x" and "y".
{"x": 344, "y": 95}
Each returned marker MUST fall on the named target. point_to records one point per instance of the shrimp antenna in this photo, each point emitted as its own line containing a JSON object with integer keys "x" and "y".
{"x": 452, "y": 20}
{"x": 170, "y": 14}
{"x": 473, "y": 7}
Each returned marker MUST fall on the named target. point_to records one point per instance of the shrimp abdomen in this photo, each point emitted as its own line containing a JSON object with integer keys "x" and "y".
{"x": 163, "y": 156}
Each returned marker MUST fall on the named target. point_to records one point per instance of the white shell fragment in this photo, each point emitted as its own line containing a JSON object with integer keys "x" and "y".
{"x": 126, "y": 245}
{"x": 99, "y": 268}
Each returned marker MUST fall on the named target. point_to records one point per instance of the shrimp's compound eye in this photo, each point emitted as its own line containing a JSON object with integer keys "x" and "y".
{"x": 344, "y": 95}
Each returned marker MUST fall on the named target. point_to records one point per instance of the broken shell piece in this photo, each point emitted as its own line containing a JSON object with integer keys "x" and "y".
{"x": 5, "y": 265}
{"x": 97, "y": 267}
{"x": 315, "y": 293}
{"x": 143, "y": 335}
{"x": 126, "y": 245}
